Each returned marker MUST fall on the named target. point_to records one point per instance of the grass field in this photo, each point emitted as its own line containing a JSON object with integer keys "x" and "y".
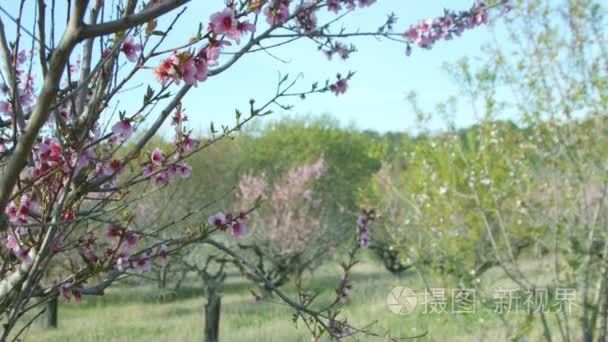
{"x": 135, "y": 314}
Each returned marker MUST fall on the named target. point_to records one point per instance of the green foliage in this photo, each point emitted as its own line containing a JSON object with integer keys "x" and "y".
{"x": 281, "y": 145}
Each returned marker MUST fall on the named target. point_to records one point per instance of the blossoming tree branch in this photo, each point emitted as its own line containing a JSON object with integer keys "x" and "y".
{"x": 69, "y": 156}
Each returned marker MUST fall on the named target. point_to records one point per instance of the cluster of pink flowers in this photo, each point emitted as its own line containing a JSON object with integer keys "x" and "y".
{"x": 122, "y": 130}
{"x": 340, "y": 86}
{"x": 14, "y": 244}
{"x": 226, "y": 23}
{"x": 336, "y": 5}
{"x": 339, "y": 49}
{"x": 277, "y": 12}
{"x": 166, "y": 173}
{"x": 183, "y": 142}
{"x": 109, "y": 168}
{"x": 290, "y": 202}
{"x": 188, "y": 67}
{"x": 25, "y": 88}
{"x": 50, "y": 155}
{"x": 363, "y": 223}
{"x": 236, "y": 222}
{"x": 124, "y": 242}
{"x": 143, "y": 263}
{"x": 20, "y": 212}
{"x": 186, "y": 144}
{"x": 429, "y": 31}
{"x": 306, "y": 18}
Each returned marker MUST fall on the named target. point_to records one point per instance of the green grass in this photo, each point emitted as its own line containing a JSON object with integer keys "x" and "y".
{"x": 135, "y": 314}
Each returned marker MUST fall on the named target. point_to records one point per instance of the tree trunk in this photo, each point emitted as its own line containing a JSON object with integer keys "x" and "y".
{"x": 51, "y": 313}
{"x": 212, "y": 314}
{"x": 162, "y": 278}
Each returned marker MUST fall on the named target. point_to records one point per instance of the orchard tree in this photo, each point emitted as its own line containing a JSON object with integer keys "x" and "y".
{"x": 497, "y": 195}
{"x": 274, "y": 150}
{"x": 69, "y": 154}
{"x": 288, "y": 231}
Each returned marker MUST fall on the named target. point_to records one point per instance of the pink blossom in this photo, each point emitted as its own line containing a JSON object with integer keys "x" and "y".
{"x": 21, "y": 212}
{"x": 148, "y": 169}
{"x": 113, "y": 232}
{"x": 84, "y": 160}
{"x": 339, "y": 87}
{"x": 11, "y": 242}
{"x": 163, "y": 255}
{"x": 111, "y": 168}
{"x": 6, "y": 108}
{"x": 340, "y": 49}
{"x": 123, "y": 129}
{"x": 306, "y": 17}
{"x": 25, "y": 255}
{"x": 211, "y": 52}
{"x": 188, "y": 144}
{"x": 202, "y": 71}
{"x": 143, "y": 264}
{"x": 21, "y": 57}
{"x": 225, "y": 23}
{"x": 130, "y": 240}
{"x": 167, "y": 70}
{"x": 171, "y": 172}
{"x": 334, "y": 6}
{"x": 218, "y": 220}
{"x": 122, "y": 263}
{"x": 178, "y": 118}
{"x": 429, "y": 31}
{"x": 183, "y": 170}
{"x": 50, "y": 152}
{"x": 157, "y": 157}
{"x": 276, "y": 13}
{"x": 238, "y": 229}
{"x": 12, "y": 211}
{"x": 244, "y": 27}
{"x": 194, "y": 70}
{"x": 188, "y": 71}
{"x": 363, "y": 223}
{"x": 131, "y": 49}
{"x": 161, "y": 179}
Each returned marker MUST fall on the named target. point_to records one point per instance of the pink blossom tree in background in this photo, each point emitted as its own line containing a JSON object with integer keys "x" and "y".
{"x": 68, "y": 150}
{"x": 287, "y": 231}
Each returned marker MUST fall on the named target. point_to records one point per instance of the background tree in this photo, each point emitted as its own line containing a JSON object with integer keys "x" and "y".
{"x": 501, "y": 195}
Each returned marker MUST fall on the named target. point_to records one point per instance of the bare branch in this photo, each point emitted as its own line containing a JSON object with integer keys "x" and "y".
{"x": 91, "y": 31}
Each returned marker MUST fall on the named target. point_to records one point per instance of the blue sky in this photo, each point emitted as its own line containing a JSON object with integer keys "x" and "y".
{"x": 376, "y": 96}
